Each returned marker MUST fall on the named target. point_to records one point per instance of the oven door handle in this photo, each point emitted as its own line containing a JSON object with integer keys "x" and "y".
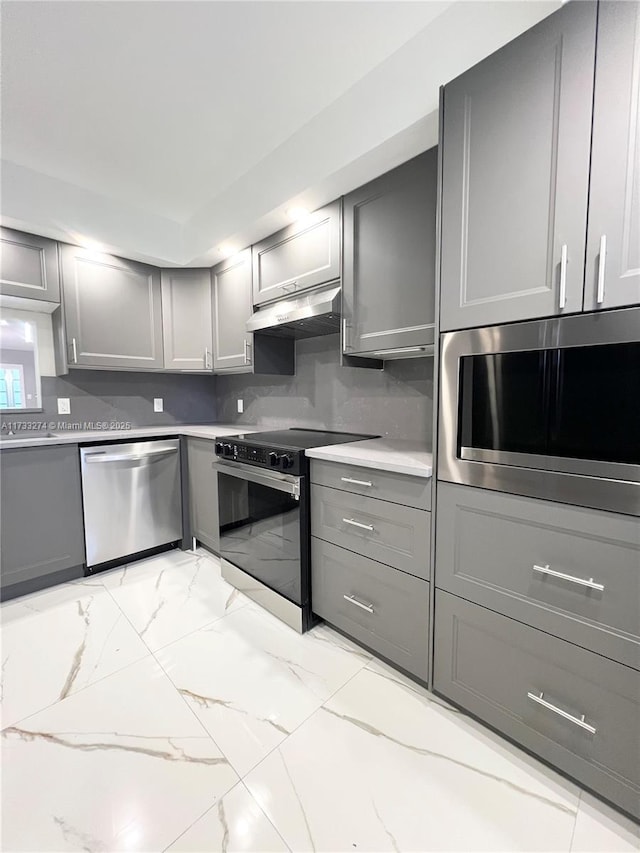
{"x": 281, "y": 482}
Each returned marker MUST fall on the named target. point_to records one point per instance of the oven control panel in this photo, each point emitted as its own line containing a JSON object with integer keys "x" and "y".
{"x": 264, "y": 457}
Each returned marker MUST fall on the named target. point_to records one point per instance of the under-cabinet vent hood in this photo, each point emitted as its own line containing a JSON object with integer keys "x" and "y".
{"x": 307, "y": 315}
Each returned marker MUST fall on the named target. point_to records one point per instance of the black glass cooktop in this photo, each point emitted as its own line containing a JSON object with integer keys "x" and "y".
{"x": 297, "y": 439}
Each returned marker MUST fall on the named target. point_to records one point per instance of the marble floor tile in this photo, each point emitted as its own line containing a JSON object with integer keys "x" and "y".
{"x": 58, "y": 641}
{"x": 236, "y": 824}
{"x": 600, "y": 829}
{"x": 252, "y": 680}
{"x": 380, "y": 768}
{"x": 170, "y": 595}
{"x": 121, "y": 765}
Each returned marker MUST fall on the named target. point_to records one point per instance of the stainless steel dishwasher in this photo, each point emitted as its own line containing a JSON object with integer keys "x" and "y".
{"x": 132, "y": 498}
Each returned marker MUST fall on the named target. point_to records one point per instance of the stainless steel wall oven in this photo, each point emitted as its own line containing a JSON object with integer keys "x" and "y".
{"x": 549, "y": 409}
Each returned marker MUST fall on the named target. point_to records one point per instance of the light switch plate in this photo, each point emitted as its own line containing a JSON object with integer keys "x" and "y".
{"x": 158, "y": 404}
{"x": 64, "y": 406}
{"x": 240, "y": 406}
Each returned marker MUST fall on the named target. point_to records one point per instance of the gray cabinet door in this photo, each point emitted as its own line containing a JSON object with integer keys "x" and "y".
{"x": 40, "y": 513}
{"x": 613, "y": 243}
{"x": 573, "y": 708}
{"x": 516, "y": 145}
{"x": 186, "y": 319}
{"x": 203, "y": 492}
{"x": 113, "y": 311}
{"x": 388, "y": 289}
{"x": 29, "y": 266}
{"x": 232, "y": 348}
{"x": 300, "y": 256}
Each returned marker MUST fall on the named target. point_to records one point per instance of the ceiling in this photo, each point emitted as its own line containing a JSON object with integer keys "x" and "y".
{"x": 178, "y": 131}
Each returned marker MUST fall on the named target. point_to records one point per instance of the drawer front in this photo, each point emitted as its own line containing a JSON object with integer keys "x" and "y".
{"x": 536, "y": 688}
{"x": 386, "y": 485}
{"x": 391, "y": 613}
{"x": 395, "y": 535}
{"x": 489, "y": 545}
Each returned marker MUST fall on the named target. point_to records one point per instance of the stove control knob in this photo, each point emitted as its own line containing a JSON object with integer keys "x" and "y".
{"x": 273, "y": 459}
{"x": 228, "y": 450}
{"x": 219, "y": 448}
{"x": 286, "y": 460}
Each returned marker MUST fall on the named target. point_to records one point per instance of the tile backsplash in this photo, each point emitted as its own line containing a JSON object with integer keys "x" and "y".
{"x": 396, "y": 402}
{"x": 109, "y": 396}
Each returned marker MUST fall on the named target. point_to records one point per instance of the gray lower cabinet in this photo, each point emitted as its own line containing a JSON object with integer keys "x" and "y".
{"x": 388, "y": 284}
{"x": 573, "y": 708}
{"x": 203, "y": 492}
{"x": 515, "y": 176}
{"x": 303, "y": 255}
{"x": 113, "y": 311}
{"x": 370, "y": 482}
{"x": 40, "y": 517}
{"x": 29, "y": 266}
{"x": 380, "y": 607}
{"x": 613, "y": 241}
{"x": 187, "y": 320}
{"x": 398, "y": 536}
{"x": 232, "y": 283}
{"x": 570, "y": 571}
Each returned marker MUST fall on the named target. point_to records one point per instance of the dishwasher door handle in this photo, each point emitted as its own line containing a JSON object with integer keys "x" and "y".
{"x": 151, "y": 455}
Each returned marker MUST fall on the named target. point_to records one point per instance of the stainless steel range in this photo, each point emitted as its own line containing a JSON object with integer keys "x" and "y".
{"x": 263, "y": 503}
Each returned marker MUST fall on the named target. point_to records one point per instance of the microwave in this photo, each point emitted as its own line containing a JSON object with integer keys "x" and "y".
{"x": 549, "y": 409}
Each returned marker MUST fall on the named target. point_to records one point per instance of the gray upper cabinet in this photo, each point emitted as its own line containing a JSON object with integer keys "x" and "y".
{"x": 300, "y": 256}
{"x": 40, "y": 516}
{"x": 29, "y": 266}
{"x": 113, "y": 311}
{"x": 613, "y": 243}
{"x": 187, "y": 320}
{"x": 231, "y": 309}
{"x": 515, "y": 172}
{"x": 389, "y": 260}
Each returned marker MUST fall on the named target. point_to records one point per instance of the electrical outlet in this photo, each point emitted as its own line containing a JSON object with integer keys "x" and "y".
{"x": 64, "y": 406}
{"x": 158, "y": 404}
{"x": 240, "y": 406}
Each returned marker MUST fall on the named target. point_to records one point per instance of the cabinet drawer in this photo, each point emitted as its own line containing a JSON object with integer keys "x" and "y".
{"x": 386, "y": 485}
{"x": 489, "y": 545}
{"x": 396, "y": 535}
{"x": 504, "y": 671}
{"x": 391, "y": 616}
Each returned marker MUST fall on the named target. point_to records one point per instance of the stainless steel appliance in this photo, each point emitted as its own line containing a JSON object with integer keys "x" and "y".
{"x": 304, "y": 315}
{"x": 549, "y": 409}
{"x": 131, "y": 497}
{"x": 263, "y": 503}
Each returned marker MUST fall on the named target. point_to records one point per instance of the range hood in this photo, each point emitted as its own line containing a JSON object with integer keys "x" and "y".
{"x": 308, "y": 315}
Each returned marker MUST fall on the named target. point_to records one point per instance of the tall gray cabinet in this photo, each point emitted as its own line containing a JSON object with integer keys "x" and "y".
{"x": 113, "y": 311}
{"x": 186, "y": 320}
{"x": 516, "y": 146}
{"x": 231, "y": 309}
{"x": 203, "y": 492}
{"x": 613, "y": 240}
{"x": 388, "y": 281}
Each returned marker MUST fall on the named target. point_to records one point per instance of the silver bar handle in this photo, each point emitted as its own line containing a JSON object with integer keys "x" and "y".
{"x": 601, "y": 265}
{"x": 247, "y": 356}
{"x": 545, "y": 570}
{"x": 356, "y": 482}
{"x": 207, "y": 358}
{"x": 563, "y": 275}
{"x": 353, "y": 600}
{"x": 74, "y": 350}
{"x": 359, "y": 524}
{"x": 281, "y": 482}
{"x": 345, "y": 326}
{"x": 128, "y": 457}
{"x": 577, "y": 721}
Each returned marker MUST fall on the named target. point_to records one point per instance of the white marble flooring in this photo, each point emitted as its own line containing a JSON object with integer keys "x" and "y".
{"x": 155, "y": 708}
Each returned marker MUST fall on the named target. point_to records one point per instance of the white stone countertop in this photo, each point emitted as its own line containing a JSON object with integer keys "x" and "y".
{"x": 383, "y": 454}
{"x": 70, "y": 436}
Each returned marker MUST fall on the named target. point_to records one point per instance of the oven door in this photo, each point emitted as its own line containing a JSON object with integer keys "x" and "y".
{"x": 262, "y": 527}
{"x": 549, "y": 409}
